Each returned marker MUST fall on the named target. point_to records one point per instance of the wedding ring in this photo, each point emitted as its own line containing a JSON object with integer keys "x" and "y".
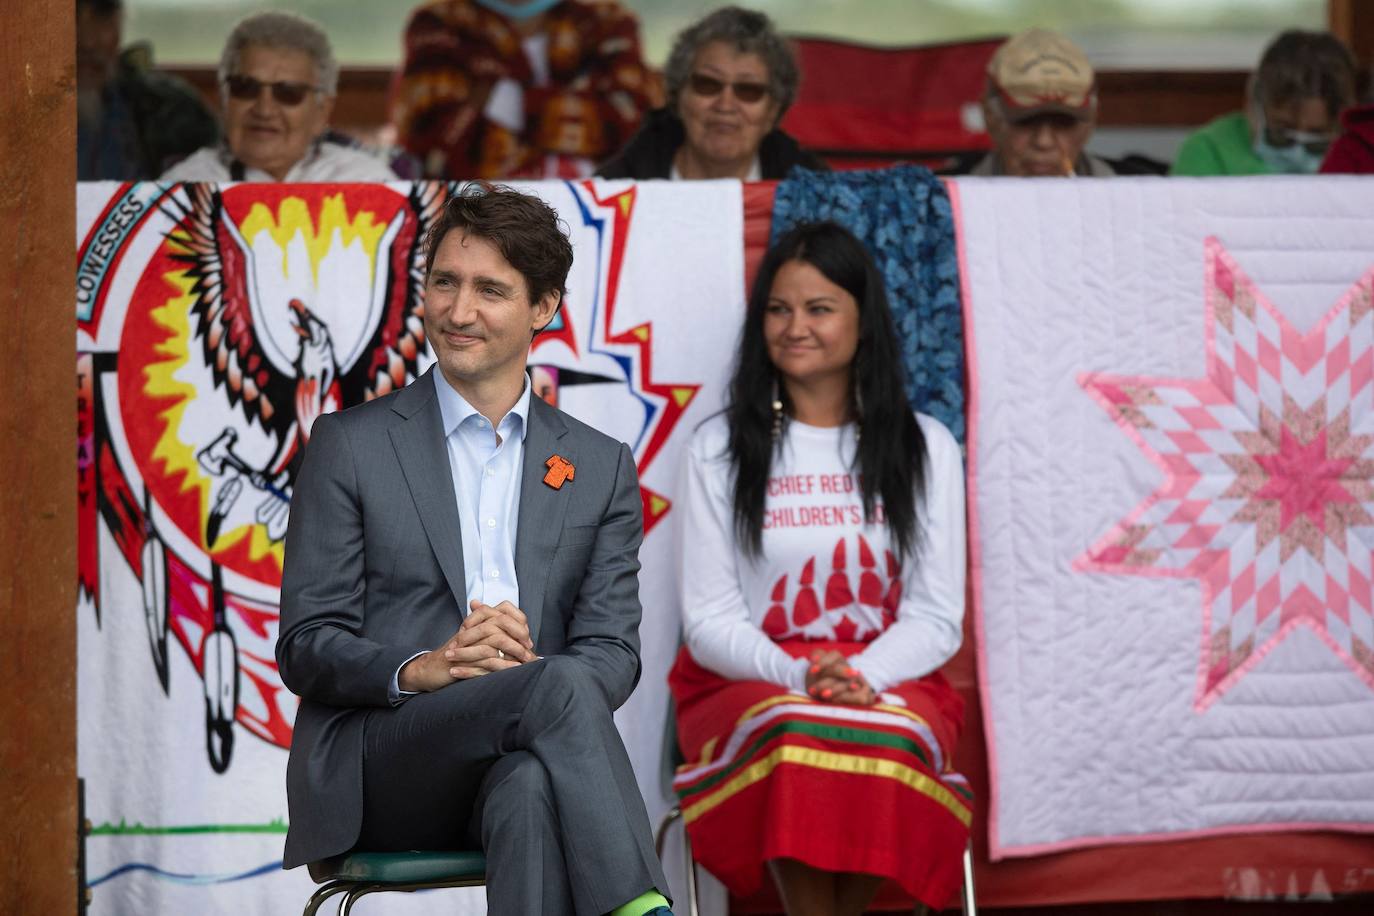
{"x": 500, "y": 654}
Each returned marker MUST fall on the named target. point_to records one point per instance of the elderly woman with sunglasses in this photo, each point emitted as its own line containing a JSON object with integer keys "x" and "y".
{"x": 278, "y": 78}
{"x": 730, "y": 78}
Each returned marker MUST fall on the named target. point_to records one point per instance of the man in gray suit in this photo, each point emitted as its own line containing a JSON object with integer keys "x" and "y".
{"x": 460, "y": 604}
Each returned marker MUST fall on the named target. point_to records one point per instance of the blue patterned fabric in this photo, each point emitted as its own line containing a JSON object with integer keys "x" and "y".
{"x": 903, "y": 215}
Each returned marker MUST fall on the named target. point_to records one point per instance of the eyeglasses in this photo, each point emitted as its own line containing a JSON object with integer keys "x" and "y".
{"x": 247, "y": 88}
{"x": 709, "y": 86}
{"x": 1282, "y": 138}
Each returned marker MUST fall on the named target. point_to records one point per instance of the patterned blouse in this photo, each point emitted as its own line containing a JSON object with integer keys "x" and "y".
{"x": 476, "y": 100}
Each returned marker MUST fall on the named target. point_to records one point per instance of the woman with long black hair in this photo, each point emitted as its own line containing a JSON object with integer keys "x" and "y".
{"x": 823, "y": 587}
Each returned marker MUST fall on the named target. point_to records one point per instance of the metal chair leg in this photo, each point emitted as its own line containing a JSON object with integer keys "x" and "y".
{"x": 689, "y": 866}
{"x": 691, "y": 869}
{"x": 358, "y": 891}
{"x": 969, "y": 904}
{"x": 661, "y": 834}
{"x": 323, "y": 893}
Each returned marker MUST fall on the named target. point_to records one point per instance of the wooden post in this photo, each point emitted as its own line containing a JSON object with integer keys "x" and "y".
{"x": 1352, "y": 21}
{"x": 37, "y": 461}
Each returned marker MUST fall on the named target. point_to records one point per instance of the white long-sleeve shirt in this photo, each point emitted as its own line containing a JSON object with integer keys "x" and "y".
{"x": 823, "y": 574}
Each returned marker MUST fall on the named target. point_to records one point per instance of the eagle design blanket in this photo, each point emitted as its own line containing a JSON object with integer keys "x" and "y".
{"x": 214, "y": 324}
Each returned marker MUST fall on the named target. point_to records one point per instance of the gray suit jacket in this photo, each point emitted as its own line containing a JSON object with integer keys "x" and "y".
{"x": 374, "y": 574}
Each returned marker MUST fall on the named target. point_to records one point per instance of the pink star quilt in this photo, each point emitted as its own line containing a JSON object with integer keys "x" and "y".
{"x": 1171, "y": 476}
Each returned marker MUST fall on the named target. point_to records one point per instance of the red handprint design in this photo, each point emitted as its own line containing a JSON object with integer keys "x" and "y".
{"x": 848, "y": 614}
{"x": 775, "y": 621}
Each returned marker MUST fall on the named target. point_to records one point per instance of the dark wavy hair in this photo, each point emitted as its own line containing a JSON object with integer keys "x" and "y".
{"x": 891, "y": 457}
{"x": 525, "y": 229}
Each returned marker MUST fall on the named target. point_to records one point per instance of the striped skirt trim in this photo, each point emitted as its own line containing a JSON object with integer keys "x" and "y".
{"x": 776, "y": 774}
{"x": 955, "y": 799}
{"x": 790, "y": 704}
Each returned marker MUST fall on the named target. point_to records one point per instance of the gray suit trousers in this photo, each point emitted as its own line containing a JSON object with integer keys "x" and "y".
{"x": 528, "y": 762}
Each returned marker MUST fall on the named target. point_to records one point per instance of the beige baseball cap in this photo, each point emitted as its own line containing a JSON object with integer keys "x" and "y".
{"x": 1040, "y": 71}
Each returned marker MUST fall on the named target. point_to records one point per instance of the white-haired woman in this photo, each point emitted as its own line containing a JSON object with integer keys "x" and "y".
{"x": 278, "y": 79}
{"x": 730, "y": 78}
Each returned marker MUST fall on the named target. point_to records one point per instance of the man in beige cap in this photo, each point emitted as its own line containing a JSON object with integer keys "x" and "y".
{"x": 1040, "y": 107}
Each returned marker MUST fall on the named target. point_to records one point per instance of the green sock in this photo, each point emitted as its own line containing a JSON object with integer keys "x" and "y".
{"x": 641, "y": 904}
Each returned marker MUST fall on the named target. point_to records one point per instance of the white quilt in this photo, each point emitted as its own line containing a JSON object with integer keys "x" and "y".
{"x": 1171, "y": 473}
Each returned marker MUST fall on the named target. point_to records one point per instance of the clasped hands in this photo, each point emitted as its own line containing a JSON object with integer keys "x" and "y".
{"x": 831, "y": 678}
{"x": 492, "y": 638}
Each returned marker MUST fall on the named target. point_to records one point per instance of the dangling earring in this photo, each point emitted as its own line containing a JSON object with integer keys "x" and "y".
{"x": 777, "y": 411}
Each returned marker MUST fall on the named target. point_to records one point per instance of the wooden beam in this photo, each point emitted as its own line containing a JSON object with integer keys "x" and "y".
{"x": 1352, "y": 21}
{"x": 37, "y": 451}
{"x": 1167, "y": 98}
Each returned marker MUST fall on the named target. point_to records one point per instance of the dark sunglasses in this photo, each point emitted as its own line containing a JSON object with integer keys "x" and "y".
{"x": 1316, "y": 144}
{"x": 246, "y": 88}
{"x": 709, "y": 86}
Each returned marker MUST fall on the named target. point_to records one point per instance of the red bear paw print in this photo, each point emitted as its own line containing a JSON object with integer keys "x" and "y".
{"x": 849, "y": 610}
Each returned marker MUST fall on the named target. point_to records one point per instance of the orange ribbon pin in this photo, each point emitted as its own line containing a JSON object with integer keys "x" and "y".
{"x": 560, "y": 469}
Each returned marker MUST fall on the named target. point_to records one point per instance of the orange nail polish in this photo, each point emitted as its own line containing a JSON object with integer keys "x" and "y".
{"x": 825, "y": 694}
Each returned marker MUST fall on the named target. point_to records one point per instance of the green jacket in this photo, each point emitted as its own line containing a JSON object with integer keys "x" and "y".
{"x": 1221, "y": 147}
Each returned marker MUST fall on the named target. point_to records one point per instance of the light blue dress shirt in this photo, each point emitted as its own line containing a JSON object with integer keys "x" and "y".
{"x": 486, "y": 469}
{"x": 486, "y": 466}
